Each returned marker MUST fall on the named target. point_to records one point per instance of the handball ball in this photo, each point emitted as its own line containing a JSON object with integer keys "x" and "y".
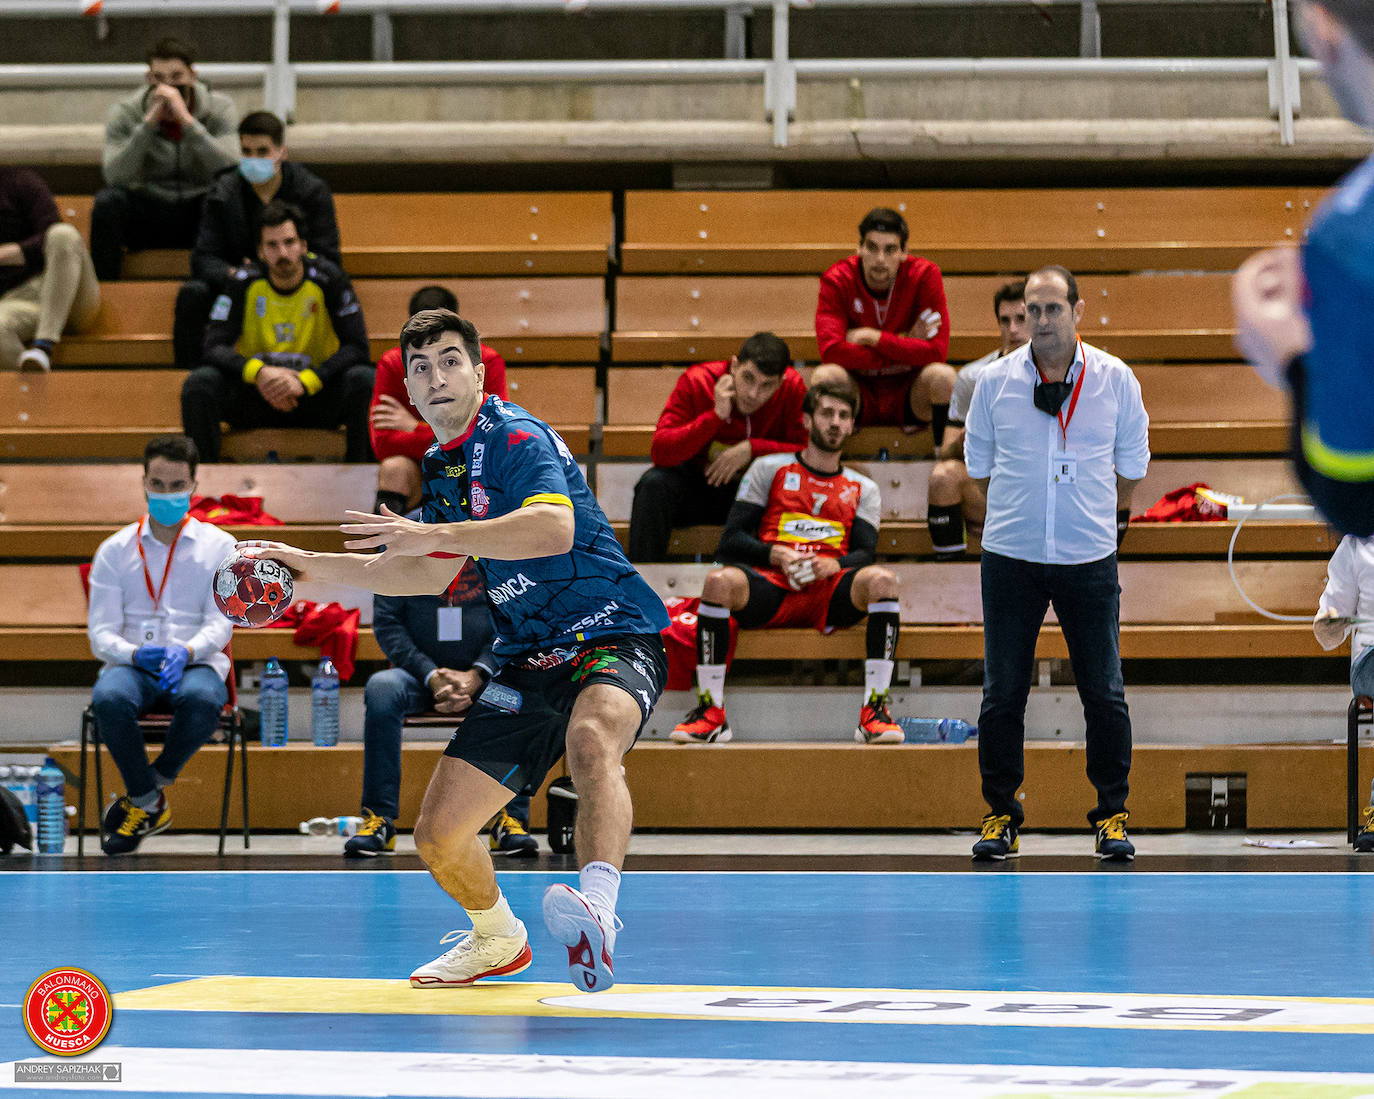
{"x": 252, "y": 591}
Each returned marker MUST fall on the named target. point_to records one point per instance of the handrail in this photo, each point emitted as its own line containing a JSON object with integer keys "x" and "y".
{"x": 280, "y": 77}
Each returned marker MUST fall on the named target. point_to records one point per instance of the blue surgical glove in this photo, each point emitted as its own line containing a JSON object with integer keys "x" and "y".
{"x": 173, "y": 664}
{"x": 149, "y": 658}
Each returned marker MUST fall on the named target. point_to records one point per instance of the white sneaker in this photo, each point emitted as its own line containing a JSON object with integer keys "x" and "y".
{"x": 473, "y": 958}
{"x": 35, "y": 360}
{"x": 590, "y": 939}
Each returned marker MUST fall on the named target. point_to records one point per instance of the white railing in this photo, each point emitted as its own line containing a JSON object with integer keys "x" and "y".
{"x": 280, "y": 77}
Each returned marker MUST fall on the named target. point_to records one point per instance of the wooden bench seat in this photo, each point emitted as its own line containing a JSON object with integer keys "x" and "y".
{"x": 423, "y": 234}
{"x": 694, "y": 318}
{"x": 998, "y": 230}
{"x": 66, "y": 415}
{"x": 526, "y": 319}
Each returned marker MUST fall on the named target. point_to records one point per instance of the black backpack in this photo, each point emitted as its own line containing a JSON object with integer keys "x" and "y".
{"x": 14, "y": 825}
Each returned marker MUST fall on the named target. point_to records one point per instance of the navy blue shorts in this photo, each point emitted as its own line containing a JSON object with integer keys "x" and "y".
{"x": 516, "y": 729}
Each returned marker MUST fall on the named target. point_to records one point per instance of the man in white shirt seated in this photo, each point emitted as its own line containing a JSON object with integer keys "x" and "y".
{"x": 154, "y": 623}
{"x": 1057, "y": 437}
{"x": 1349, "y": 595}
{"x": 952, "y": 499}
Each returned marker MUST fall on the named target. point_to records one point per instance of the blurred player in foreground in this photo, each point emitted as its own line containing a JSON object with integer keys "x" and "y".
{"x": 577, "y": 637}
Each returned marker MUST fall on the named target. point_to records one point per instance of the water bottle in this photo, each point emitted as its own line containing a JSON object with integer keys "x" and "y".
{"x": 52, "y": 809}
{"x": 331, "y": 826}
{"x": 22, "y": 782}
{"x": 272, "y": 704}
{"x": 936, "y": 730}
{"x": 324, "y": 705}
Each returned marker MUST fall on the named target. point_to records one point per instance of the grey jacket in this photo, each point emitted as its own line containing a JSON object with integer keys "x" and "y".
{"x": 139, "y": 157}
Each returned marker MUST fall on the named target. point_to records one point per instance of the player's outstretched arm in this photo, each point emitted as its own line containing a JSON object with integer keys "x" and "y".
{"x": 539, "y": 529}
{"x": 394, "y": 576}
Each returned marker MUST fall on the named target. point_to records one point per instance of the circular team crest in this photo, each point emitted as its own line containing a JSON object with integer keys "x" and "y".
{"x": 67, "y": 1011}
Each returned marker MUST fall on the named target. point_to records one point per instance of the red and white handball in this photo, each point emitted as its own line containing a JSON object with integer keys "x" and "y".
{"x": 252, "y": 591}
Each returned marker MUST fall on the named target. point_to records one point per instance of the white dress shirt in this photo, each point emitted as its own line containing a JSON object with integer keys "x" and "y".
{"x": 1350, "y": 588}
{"x": 121, "y": 608}
{"x": 1031, "y": 516}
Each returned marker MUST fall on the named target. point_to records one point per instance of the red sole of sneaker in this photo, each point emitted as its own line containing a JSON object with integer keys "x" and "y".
{"x": 518, "y": 964}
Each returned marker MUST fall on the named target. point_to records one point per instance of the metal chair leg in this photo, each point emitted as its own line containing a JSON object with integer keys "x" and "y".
{"x": 243, "y": 774}
{"x": 99, "y": 784}
{"x": 1352, "y": 768}
{"x": 228, "y": 786}
{"x": 87, "y": 717}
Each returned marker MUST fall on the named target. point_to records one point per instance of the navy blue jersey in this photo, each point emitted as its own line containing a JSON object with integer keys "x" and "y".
{"x": 507, "y": 460}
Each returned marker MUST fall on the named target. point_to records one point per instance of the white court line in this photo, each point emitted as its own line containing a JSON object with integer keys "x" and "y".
{"x": 1021, "y": 871}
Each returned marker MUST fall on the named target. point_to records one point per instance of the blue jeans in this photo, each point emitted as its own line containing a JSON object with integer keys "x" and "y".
{"x": 388, "y": 698}
{"x": 124, "y": 693}
{"x": 1087, "y": 599}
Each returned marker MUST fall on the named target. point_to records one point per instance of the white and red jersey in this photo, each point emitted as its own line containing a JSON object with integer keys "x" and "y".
{"x": 808, "y": 511}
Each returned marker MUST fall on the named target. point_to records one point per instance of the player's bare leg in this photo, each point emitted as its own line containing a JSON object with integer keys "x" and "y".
{"x": 953, "y": 502}
{"x": 400, "y": 475}
{"x": 459, "y": 801}
{"x": 929, "y": 398}
{"x": 600, "y": 732}
{"x": 876, "y": 591}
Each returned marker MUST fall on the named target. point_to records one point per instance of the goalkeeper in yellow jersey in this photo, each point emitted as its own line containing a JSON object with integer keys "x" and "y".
{"x": 285, "y": 347}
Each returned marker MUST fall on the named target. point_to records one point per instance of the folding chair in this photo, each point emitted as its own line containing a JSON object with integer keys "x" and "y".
{"x": 1360, "y": 712}
{"x": 230, "y": 730}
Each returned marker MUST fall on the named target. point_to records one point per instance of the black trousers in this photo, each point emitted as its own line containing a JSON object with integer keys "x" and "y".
{"x": 134, "y": 220}
{"x": 1087, "y": 600}
{"x": 209, "y": 397}
{"x": 673, "y": 496}
{"x": 188, "y": 322}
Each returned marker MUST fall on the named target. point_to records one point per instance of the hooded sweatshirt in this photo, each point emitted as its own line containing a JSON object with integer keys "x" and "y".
{"x": 159, "y": 162}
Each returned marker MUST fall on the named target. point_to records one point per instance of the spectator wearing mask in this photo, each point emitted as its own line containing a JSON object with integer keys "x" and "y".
{"x": 227, "y": 242}
{"x": 163, "y": 146}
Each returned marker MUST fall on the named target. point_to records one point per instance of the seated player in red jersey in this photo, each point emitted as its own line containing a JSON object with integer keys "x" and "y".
{"x": 798, "y": 548}
{"x": 399, "y": 436}
{"x": 881, "y": 318}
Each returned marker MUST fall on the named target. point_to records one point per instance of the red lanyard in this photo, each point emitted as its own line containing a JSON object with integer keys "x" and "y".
{"x": 1064, "y": 421}
{"x": 156, "y": 596}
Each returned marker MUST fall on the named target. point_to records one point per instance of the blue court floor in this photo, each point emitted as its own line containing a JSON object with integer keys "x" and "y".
{"x": 731, "y": 984}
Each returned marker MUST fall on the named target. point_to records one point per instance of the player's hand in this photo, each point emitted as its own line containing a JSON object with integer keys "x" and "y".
{"x": 864, "y": 337}
{"x": 297, "y": 560}
{"x": 400, "y": 536}
{"x": 166, "y": 104}
{"x": 823, "y": 567}
{"x": 1330, "y": 628}
{"x": 725, "y": 396}
{"x": 783, "y": 557}
{"x": 1271, "y": 327}
{"x": 388, "y": 414}
{"x": 729, "y": 464}
{"x": 927, "y": 325}
{"x": 455, "y": 691}
{"x": 280, "y": 387}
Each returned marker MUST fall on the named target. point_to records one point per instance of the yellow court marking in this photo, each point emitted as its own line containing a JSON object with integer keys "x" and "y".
{"x": 962, "y": 1007}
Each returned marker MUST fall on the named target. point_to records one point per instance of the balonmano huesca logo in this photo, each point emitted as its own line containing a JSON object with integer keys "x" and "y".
{"x": 67, "y": 1011}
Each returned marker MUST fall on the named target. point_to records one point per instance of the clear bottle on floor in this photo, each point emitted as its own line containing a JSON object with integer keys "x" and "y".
{"x": 936, "y": 730}
{"x": 331, "y": 826}
{"x": 324, "y": 705}
{"x": 272, "y": 704}
{"x": 52, "y": 809}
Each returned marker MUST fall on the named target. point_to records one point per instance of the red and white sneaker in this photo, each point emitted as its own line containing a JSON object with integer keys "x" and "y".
{"x": 704, "y": 725}
{"x": 590, "y": 940}
{"x": 876, "y": 725}
{"x": 475, "y": 958}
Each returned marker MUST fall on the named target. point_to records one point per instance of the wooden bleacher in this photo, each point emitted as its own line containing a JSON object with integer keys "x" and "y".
{"x": 964, "y": 231}
{"x": 417, "y": 234}
{"x": 66, "y": 415}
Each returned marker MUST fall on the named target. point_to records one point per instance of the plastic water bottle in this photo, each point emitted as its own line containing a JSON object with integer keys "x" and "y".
{"x": 52, "y": 809}
{"x": 324, "y": 705}
{"x": 272, "y": 704}
{"x": 331, "y": 826}
{"x": 23, "y": 784}
{"x": 936, "y": 730}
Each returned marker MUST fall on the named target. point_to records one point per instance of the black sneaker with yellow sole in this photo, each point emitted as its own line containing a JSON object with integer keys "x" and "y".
{"x": 376, "y": 836}
{"x": 126, "y": 825}
{"x": 999, "y": 839}
{"x": 510, "y": 837}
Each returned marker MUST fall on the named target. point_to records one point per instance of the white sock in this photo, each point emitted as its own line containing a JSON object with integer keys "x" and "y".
{"x": 877, "y": 677}
{"x": 498, "y": 920}
{"x": 711, "y": 681}
{"x": 600, "y": 884}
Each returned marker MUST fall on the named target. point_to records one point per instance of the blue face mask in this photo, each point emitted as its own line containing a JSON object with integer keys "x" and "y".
{"x": 257, "y": 169}
{"x": 169, "y": 508}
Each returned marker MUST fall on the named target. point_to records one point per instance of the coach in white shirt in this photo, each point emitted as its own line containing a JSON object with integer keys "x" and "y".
{"x": 1057, "y": 436}
{"x": 154, "y": 623}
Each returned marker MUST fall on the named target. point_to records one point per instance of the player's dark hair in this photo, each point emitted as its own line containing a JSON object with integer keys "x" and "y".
{"x": 432, "y": 297}
{"x": 767, "y": 352}
{"x": 1010, "y": 291}
{"x": 175, "y": 448}
{"x": 277, "y": 213}
{"x": 170, "y": 48}
{"x": 846, "y": 391}
{"x": 1064, "y": 273}
{"x": 883, "y": 220}
{"x": 429, "y": 326}
{"x": 263, "y": 124}
{"x": 1356, "y": 17}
